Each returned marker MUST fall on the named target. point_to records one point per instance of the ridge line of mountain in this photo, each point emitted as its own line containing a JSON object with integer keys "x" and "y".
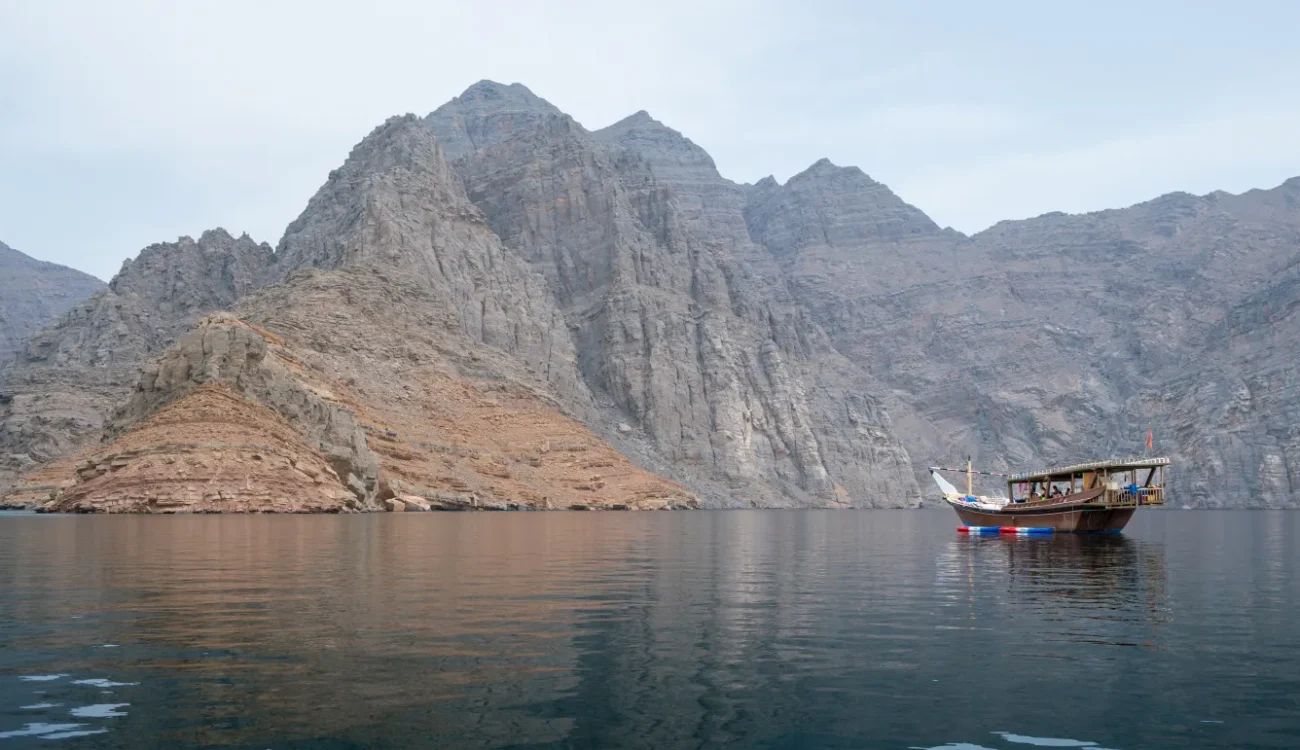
{"x": 806, "y": 343}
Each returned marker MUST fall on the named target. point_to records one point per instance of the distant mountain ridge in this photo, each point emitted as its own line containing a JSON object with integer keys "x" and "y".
{"x": 1065, "y": 337}
{"x": 475, "y": 289}
{"x": 33, "y": 293}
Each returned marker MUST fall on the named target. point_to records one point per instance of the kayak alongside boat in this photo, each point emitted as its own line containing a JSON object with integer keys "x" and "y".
{"x": 1097, "y": 496}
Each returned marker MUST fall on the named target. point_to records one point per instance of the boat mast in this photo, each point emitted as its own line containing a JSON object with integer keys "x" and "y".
{"x": 969, "y": 491}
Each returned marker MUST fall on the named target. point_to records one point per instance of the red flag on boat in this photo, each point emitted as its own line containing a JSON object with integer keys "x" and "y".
{"x": 1149, "y": 442}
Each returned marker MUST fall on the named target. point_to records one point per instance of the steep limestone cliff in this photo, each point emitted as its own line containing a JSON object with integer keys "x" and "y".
{"x": 397, "y": 206}
{"x": 452, "y": 423}
{"x": 680, "y": 319}
{"x": 1231, "y": 415}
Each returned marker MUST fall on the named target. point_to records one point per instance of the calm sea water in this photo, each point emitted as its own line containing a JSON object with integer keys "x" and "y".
{"x": 872, "y": 629}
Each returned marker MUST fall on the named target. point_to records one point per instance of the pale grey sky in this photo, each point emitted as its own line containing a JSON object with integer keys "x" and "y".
{"x": 137, "y": 121}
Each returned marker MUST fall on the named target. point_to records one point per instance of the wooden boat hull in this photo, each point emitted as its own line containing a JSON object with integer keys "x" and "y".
{"x": 1073, "y": 517}
{"x": 1099, "y": 496}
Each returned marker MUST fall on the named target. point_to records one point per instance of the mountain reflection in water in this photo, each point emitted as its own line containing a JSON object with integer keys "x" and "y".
{"x": 665, "y": 630}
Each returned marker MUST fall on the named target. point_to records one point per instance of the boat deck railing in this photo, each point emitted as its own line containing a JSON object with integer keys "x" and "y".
{"x": 1133, "y": 498}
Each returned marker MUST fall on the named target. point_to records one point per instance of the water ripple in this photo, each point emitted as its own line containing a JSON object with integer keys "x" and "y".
{"x": 673, "y": 630}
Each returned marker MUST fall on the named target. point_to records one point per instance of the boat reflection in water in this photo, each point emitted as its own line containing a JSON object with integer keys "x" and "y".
{"x": 801, "y": 629}
{"x": 1086, "y": 588}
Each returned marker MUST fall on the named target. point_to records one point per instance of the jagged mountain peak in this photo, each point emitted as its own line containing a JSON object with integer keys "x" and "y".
{"x": 638, "y": 119}
{"x": 82, "y": 364}
{"x": 217, "y": 236}
{"x": 486, "y": 114}
{"x": 638, "y": 122}
{"x": 834, "y": 206}
{"x": 212, "y": 240}
{"x": 206, "y": 273}
{"x": 394, "y": 124}
{"x": 487, "y": 93}
{"x": 824, "y": 168}
{"x": 822, "y": 165}
{"x": 663, "y": 147}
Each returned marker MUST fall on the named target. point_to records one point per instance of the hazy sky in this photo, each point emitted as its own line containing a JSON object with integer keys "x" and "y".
{"x": 130, "y": 122}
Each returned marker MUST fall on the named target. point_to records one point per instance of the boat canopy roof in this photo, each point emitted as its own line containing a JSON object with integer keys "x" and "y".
{"x": 1111, "y": 466}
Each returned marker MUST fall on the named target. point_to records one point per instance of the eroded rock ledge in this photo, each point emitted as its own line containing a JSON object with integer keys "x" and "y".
{"x": 211, "y": 451}
{"x": 234, "y": 418}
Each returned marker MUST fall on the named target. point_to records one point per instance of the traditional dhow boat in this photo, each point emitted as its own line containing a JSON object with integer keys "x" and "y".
{"x": 1098, "y": 496}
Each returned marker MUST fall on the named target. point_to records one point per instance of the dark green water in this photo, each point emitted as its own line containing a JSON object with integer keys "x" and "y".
{"x": 657, "y": 630}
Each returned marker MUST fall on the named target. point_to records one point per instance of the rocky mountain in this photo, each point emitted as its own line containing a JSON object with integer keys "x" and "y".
{"x": 33, "y": 293}
{"x": 493, "y": 306}
{"x": 680, "y": 320}
{"x": 1232, "y": 413}
{"x": 354, "y": 409}
{"x": 396, "y": 205}
{"x": 66, "y": 380}
{"x": 1062, "y": 337}
{"x": 417, "y": 363}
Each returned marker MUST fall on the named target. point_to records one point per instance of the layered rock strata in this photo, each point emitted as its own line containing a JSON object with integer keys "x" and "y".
{"x": 66, "y": 380}
{"x": 349, "y": 411}
{"x": 210, "y": 451}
